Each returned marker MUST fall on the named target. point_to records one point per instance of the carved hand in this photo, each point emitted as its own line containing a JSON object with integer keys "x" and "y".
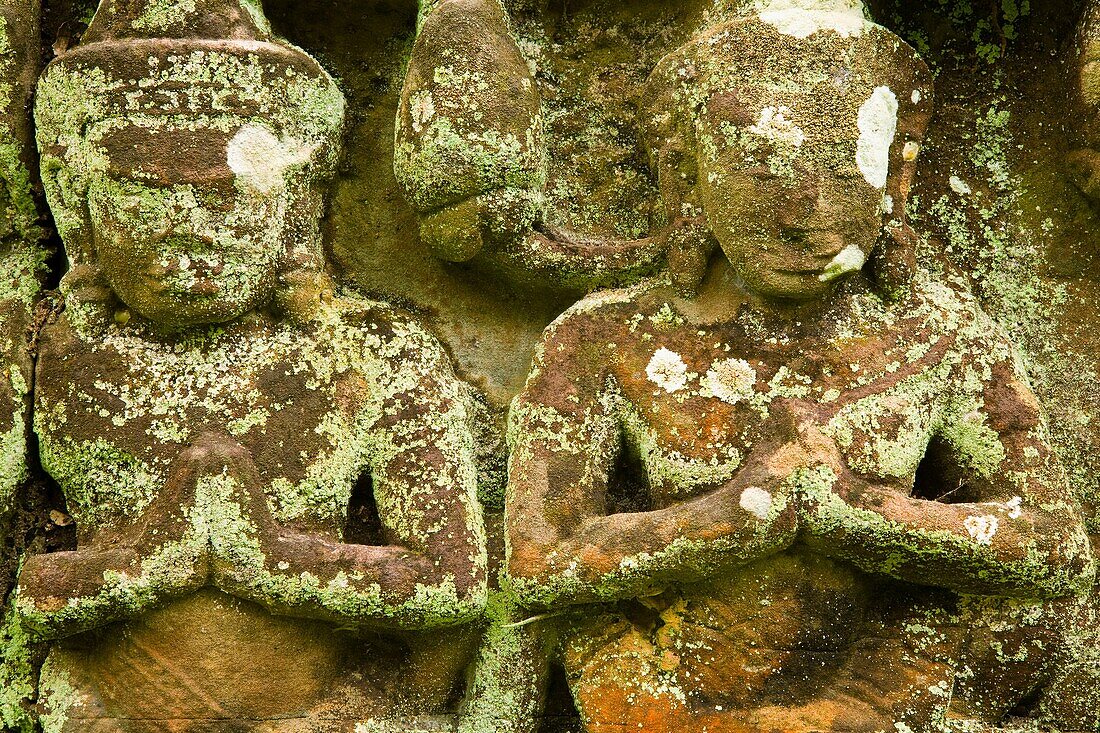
{"x": 469, "y": 134}
{"x": 133, "y": 567}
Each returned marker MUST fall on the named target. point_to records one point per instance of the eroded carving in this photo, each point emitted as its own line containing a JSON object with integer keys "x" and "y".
{"x": 759, "y": 482}
{"x": 472, "y": 156}
{"x": 212, "y": 409}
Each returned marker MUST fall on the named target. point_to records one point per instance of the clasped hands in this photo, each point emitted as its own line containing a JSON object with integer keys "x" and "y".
{"x": 209, "y": 525}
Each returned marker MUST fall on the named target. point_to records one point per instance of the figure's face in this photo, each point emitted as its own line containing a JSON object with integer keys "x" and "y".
{"x": 188, "y": 252}
{"x": 792, "y": 213}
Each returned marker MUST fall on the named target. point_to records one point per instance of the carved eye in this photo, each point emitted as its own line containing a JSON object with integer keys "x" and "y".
{"x": 761, "y": 173}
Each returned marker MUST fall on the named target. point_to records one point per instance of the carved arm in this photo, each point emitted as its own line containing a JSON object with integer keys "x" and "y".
{"x": 564, "y": 549}
{"x": 1020, "y": 534}
{"x": 416, "y": 444}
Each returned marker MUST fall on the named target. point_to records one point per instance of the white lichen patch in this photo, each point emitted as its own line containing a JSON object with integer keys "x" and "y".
{"x": 849, "y": 259}
{"x": 667, "y": 370}
{"x": 1013, "y": 506}
{"x": 803, "y": 18}
{"x": 959, "y": 186}
{"x": 731, "y": 380}
{"x": 877, "y": 122}
{"x": 756, "y": 501}
{"x": 261, "y": 159}
{"x": 421, "y": 110}
{"x": 982, "y": 528}
{"x": 774, "y": 125}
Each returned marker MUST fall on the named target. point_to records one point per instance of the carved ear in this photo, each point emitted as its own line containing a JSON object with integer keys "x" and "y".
{"x": 85, "y": 286}
{"x": 67, "y": 195}
{"x": 303, "y": 283}
{"x": 305, "y": 204}
{"x": 893, "y": 260}
{"x": 667, "y": 133}
{"x": 913, "y": 82}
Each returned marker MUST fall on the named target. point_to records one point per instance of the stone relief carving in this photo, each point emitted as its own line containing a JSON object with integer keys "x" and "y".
{"x": 209, "y": 405}
{"x": 824, "y": 460}
{"x": 797, "y": 429}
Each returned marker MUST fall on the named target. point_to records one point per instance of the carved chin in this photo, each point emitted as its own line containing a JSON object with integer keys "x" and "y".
{"x": 793, "y": 285}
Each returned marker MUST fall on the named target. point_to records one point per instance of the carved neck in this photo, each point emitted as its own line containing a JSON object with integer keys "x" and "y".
{"x": 722, "y": 295}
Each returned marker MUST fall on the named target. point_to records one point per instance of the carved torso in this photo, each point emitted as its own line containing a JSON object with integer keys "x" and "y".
{"x": 123, "y": 405}
{"x": 309, "y": 413}
{"x": 691, "y": 397}
{"x": 882, "y": 379}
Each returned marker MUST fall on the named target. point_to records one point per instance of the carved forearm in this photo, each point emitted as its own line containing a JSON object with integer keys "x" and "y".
{"x": 626, "y": 555}
{"x": 386, "y": 587}
{"x": 988, "y": 548}
{"x": 66, "y": 593}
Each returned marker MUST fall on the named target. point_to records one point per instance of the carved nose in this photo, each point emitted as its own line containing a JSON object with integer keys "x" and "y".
{"x": 802, "y": 205}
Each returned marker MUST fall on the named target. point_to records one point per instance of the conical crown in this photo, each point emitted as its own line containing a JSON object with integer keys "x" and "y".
{"x": 176, "y": 79}
{"x": 120, "y": 20}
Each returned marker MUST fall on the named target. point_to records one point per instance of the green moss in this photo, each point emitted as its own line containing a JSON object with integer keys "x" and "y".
{"x": 985, "y": 31}
{"x": 57, "y": 696}
{"x": 895, "y": 453}
{"x": 488, "y": 160}
{"x": 567, "y": 582}
{"x": 899, "y": 545}
{"x": 13, "y": 462}
{"x": 504, "y": 693}
{"x": 104, "y": 486}
{"x": 160, "y": 15}
{"x": 19, "y": 660}
{"x": 22, "y": 260}
{"x": 1003, "y": 234}
{"x": 977, "y": 445}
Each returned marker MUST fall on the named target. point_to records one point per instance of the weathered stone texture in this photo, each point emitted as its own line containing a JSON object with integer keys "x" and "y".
{"x": 546, "y": 366}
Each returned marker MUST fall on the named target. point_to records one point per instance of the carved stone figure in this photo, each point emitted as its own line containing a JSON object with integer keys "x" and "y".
{"x": 472, "y": 157}
{"x": 22, "y": 257}
{"x": 273, "y": 483}
{"x": 798, "y": 493}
